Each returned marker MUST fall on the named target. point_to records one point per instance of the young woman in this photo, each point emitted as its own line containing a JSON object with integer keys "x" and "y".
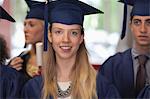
{"x": 34, "y": 31}
{"x": 67, "y": 71}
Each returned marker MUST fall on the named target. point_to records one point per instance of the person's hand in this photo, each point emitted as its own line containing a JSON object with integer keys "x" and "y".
{"x": 16, "y": 63}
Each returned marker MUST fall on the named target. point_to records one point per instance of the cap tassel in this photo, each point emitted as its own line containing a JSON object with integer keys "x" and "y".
{"x": 124, "y": 22}
{"x": 25, "y": 45}
{"x": 45, "y": 26}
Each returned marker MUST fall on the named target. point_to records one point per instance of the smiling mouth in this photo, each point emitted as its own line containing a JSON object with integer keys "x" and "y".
{"x": 65, "y": 47}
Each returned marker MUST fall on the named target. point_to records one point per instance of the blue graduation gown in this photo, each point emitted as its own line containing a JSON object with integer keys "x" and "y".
{"x": 33, "y": 88}
{"x": 10, "y": 83}
{"x": 145, "y": 93}
{"x": 25, "y": 56}
{"x": 118, "y": 69}
{"x": 106, "y": 90}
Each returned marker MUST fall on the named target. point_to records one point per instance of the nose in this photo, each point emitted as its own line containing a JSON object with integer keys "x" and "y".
{"x": 25, "y": 28}
{"x": 66, "y": 37}
{"x": 143, "y": 28}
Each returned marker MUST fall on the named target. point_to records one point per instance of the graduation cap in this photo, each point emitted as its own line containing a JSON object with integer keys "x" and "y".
{"x": 36, "y": 9}
{"x": 140, "y": 8}
{"x": 5, "y": 15}
{"x": 69, "y": 12}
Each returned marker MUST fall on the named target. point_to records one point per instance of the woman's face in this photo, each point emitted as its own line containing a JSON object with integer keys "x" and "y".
{"x": 34, "y": 30}
{"x": 65, "y": 39}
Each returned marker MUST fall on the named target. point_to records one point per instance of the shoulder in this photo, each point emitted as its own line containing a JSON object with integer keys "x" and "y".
{"x": 105, "y": 89}
{"x": 7, "y": 71}
{"x": 120, "y": 55}
{"x": 33, "y": 88}
{"x": 35, "y": 81}
{"x": 118, "y": 58}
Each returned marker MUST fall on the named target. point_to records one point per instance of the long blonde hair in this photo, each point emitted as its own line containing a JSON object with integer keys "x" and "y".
{"x": 83, "y": 76}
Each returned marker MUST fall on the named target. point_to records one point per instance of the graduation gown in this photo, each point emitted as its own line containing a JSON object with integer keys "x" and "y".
{"x": 106, "y": 90}
{"x": 118, "y": 69}
{"x": 33, "y": 88}
{"x": 145, "y": 93}
{"x": 25, "y": 76}
{"x": 10, "y": 83}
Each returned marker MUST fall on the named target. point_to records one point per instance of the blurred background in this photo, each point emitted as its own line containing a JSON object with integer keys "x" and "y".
{"x": 102, "y": 31}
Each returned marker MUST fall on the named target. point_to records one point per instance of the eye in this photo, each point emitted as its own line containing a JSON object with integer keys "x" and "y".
{"x": 58, "y": 32}
{"x": 136, "y": 22}
{"x": 24, "y": 23}
{"x": 148, "y": 23}
{"x": 31, "y": 24}
{"x": 74, "y": 33}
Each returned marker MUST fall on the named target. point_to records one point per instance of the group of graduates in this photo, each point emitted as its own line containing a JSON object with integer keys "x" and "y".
{"x": 66, "y": 72}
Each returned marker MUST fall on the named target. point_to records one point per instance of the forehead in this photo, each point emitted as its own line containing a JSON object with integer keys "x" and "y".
{"x": 33, "y": 20}
{"x": 141, "y": 17}
{"x": 64, "y": 26}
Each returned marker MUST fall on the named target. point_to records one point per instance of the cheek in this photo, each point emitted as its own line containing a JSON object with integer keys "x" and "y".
{"x": 148, "y": 30}
{"x": 55, "y": 41}
{"x": 76, "y": 43}
{"x": 135, "y": 31}
{"x": 38, "y": 34}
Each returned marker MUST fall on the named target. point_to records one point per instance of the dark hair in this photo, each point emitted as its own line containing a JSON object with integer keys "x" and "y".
{"x": 3, "y": 50}
{"x": 131, "y": 17}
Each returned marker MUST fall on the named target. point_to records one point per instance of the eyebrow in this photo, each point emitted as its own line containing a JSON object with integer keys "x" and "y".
{"x": 63, "y": 29}
{"x": 137, "y": 20}
{"x": 147, "y": 20}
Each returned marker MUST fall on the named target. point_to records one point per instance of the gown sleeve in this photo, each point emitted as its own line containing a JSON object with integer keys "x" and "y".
{"x": 145, "y": 93}
{"x": 106, "y": 90}
{"x": 10, "y": 83}
{"x": 32, "y": 89}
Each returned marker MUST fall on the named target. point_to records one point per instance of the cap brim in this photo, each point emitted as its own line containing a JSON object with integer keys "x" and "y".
{"x": 87, "y": 9}
{"x": 5, "y": 15}
{"x": 128, "y": 2}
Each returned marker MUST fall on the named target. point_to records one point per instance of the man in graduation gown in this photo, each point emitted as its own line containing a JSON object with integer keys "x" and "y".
{"x": 122, "y": 68}
{"x": 10, "y": 80}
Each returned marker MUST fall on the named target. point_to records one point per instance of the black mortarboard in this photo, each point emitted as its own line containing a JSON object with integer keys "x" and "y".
{"x": 69, "y": 12}
{"x": 5, "y": 15}
{"x": 140, "y": 8}
{"x": 36, "y": 9}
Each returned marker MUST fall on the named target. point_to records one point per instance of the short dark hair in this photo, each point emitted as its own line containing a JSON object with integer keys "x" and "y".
{"x": 3, "y": 50}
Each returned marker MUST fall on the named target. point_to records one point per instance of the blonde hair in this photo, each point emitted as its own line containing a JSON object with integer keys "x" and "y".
{"x": 83, "y": 75}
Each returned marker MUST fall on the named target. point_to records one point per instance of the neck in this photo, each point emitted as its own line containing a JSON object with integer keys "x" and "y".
{"x": 64, "y": 69}
{"x": 142, "y": 49}
{"x": 32, "y": 59}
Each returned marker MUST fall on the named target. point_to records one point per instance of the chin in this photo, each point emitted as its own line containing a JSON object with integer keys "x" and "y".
{"x": 144, "y": 44}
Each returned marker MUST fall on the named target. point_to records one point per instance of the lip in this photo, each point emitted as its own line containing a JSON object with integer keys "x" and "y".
{"x": 65, "y": 48}
{"x": 142, "y": 37}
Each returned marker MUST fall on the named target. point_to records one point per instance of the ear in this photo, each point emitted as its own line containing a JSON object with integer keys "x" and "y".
{"x": 50, "y": 37}
{"x": 130, "y": 25}
{"x": 82, "y": 38}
